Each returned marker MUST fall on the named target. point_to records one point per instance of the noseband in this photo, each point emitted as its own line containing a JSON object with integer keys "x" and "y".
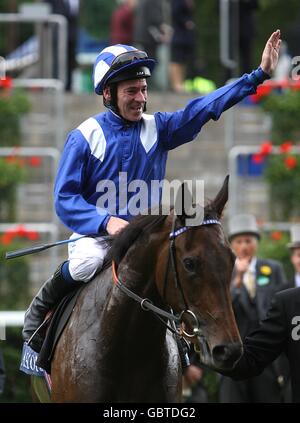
{"x": 147, "y": 305}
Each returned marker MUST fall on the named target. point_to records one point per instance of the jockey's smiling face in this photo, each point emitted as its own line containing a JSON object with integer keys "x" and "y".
{"x": 132, "y": 97}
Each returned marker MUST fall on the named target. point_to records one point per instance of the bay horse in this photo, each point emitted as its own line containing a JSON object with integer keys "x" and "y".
{"x": 114, "y": 348}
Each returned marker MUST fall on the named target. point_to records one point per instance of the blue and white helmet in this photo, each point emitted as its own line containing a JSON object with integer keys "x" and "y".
{"x": 118, "y": 63}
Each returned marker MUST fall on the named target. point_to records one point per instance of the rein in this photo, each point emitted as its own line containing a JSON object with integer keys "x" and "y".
{"x": 147, "y": 305}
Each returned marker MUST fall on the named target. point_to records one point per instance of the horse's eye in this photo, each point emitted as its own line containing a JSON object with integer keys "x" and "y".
{"x": 189, "y": 264}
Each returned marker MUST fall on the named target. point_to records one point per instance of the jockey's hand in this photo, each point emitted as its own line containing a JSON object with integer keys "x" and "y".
{"x": 270, "y": 54}
{"x": 115, "y": 225}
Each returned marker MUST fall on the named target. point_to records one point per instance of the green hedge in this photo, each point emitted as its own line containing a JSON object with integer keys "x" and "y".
{"x": 273, "y": 245}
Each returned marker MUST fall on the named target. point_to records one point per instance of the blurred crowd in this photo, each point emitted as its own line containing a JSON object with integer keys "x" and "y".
{"x": 167, "y": 31}
{"x": 150, "y": 24}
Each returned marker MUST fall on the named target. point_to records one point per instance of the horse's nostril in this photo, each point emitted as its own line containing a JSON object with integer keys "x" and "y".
{"x": 227, "y": 353}
{"x": 220, "y": 352}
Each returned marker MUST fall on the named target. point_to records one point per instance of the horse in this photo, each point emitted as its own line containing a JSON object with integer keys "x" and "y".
{"x": 166, "y": 280}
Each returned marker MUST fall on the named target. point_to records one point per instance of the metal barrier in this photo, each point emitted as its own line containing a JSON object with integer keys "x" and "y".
{"x": 11, "y": 318}
{"x": 62, "y": 45}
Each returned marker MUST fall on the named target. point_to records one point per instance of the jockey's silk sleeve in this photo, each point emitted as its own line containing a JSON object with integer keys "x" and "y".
{"x": 184, "y": 125}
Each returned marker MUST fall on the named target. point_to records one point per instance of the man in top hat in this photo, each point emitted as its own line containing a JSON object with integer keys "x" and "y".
{"x": 254, "y": 282}
{"x": 294, "y": 247}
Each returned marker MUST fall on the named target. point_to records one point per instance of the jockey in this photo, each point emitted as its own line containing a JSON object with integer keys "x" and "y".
{"x": 123, "y": 140}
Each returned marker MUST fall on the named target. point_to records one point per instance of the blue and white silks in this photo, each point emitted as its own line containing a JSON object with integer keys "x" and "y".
{"x": 105, "y": 145}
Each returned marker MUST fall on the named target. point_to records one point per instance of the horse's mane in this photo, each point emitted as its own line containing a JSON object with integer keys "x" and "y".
{"x": 121, "y": 242}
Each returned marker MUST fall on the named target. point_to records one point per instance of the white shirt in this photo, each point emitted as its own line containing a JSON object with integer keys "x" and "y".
{"x": 249, "y": 278}
{"x": 297, "y": 280}
{"x": 252, "y": 266}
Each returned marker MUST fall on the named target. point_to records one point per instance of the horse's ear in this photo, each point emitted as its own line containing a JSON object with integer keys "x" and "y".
{"x": 221, "y": 199}
{"x": 183, "y": 203}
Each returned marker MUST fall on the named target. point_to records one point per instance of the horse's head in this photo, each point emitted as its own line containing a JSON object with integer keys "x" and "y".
{"x": 197, "y": 284}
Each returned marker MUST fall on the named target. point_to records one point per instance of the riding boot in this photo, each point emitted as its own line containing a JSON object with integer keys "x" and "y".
{"x": 50, "y": 294}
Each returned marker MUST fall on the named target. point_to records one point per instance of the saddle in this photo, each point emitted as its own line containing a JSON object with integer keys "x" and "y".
{"x": 54, "y": 325}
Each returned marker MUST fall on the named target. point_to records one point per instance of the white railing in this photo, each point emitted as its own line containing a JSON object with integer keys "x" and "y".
{"x": 12, "y": 318}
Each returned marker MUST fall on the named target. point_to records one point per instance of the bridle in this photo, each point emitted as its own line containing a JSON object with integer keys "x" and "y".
{"x": 147, "y": 305}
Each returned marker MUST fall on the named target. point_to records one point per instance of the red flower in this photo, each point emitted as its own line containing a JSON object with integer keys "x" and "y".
{"x": 266, "y": 148}
{"x": 15, "y": 160}
{"x": 7, "y": 238}
{"x": 276, "y": 235}
{"x": 262, "y": 91}
{"x": 258, "y": 158}
{"x": 32, "y": 235}
{"x": 290, "y": 162}
{"x": 286, "y": 147}
{"x": 10, "y": 159}
{"x": 35, "y": 161}
{"x": 20, "y": 231}
{"x": 6, "y": 82}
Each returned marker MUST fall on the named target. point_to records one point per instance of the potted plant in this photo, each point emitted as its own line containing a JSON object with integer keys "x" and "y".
{"x": 273, "y": 245}
{"x": 13, "y": 104}
{"x": 282, "y": 172}
{"x": 283, "y": 106}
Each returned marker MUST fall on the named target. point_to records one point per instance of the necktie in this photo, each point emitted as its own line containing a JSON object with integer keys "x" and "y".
{"x": 250, "y": 283}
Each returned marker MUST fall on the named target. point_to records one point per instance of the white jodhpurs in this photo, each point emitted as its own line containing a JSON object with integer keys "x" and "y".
{"x": 86, "y": 256}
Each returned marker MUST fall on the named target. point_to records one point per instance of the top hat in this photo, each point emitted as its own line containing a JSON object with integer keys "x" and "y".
{"x": 243, "y": 224}
{"x": 295, "y": 237}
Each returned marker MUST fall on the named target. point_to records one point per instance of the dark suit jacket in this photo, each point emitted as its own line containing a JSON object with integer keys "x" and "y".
{"x": 270, "y": 278}
{"x": 266, "y": 286}
{"x": 279, "y": 332}
{"x": 292, "y": 282}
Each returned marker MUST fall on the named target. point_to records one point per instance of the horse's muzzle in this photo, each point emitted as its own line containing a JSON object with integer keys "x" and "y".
{"x": 226, "y": 355}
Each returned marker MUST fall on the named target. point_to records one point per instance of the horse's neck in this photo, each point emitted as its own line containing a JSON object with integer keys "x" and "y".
{"x": 133, "y": 352}
{"x": 128, "y": 315}
{"x": 129, "y": 330}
